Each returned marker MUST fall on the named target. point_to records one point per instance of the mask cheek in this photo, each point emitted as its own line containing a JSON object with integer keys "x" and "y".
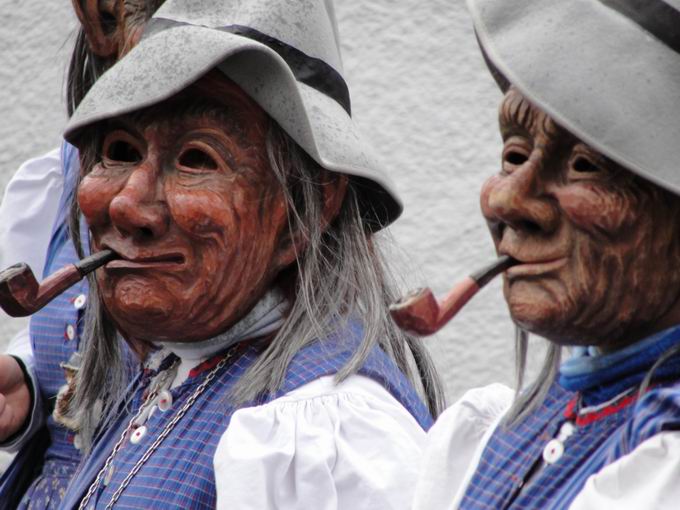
{"x": 598, "y": 209}
{"x": 200, "y": 215}
{"x": 94, "y": 197}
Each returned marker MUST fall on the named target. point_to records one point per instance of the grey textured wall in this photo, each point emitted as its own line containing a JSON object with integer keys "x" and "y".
{"x": 420, "y": 92}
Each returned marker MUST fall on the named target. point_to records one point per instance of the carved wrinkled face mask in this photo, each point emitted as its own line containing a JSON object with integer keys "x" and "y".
{"x": 599, "y": 246}
{"x": 184, "y": 193}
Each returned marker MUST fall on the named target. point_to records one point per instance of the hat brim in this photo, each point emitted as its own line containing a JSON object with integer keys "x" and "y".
{"x": 167, "y": 62}
{"x": 595, "y": 72}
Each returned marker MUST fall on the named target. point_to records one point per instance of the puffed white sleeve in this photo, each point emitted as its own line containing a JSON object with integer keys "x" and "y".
{"x": 322, "y": 446}
{"x": 648, "y": 477}
{"x": 455, "y": 444}
{"x": 28, "y": 211}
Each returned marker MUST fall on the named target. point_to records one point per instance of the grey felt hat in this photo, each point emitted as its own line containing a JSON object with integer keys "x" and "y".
{"x": 608, "y": 71}
{"x": 284, "y": 54}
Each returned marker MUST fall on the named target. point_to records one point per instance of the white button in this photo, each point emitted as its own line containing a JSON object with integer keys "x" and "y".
{"x": 70, "y": 332}
{"x": 138, "y": 434}
{"x": 164, "y": 400}
{"x": 77, "y": 443}
{"x": 553, "y": 451}
{"x": 566, "y": 431}
{"x": 80, "y": 301}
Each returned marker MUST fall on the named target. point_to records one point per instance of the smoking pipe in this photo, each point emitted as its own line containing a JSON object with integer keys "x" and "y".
{"x": 419, "y": 312}
{"x": 21, "y": 295}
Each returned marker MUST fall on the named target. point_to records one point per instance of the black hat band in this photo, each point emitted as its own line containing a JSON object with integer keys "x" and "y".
{"x": 655, "y": 16}
{"x": 311, "y": 71}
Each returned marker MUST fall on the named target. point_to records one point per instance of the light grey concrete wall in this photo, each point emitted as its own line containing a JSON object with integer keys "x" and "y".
{"x": 35, "y": 43}
{"x": 420, "y": 92}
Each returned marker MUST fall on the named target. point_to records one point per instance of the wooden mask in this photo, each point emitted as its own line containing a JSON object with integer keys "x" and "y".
{"x": 599, "y": 245}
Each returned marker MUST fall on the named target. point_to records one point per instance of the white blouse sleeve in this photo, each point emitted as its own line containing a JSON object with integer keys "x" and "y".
{"x": 648, "y": 477}
{"x": 322, "y": 446}
{"x": 455, "y": 444}
{"x": 28, "y": 211}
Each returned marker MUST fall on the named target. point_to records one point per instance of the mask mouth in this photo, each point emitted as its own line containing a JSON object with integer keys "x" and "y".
{"x": 536, "y": 267}
{"x": 141, "y": 261}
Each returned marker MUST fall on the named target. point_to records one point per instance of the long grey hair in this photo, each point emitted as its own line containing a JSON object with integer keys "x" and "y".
{"x": 528, "y": 398}
{"x": 340, "y": 273}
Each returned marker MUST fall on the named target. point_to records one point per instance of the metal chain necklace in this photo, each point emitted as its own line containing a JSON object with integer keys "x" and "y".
{"x": 154, "y": 446}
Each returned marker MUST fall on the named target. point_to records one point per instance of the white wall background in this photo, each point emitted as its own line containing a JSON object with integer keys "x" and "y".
{"x": 420, "y": 91}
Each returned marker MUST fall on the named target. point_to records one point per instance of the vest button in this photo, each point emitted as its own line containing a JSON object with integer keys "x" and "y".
{"x": 138, "y": 435}
{"x": 164, "y": 400}
{"x": 79, "y": 302}
{"x": 70, "y": 332}
{"x": 553, "y": 451}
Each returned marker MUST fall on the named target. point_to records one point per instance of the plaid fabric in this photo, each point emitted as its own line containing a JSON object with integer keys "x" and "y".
{"x": 179, "y": 474}
{"x": 52, "y": 346}
{"x": 511, "y": 474}
{"x": 656, "y": 412}
{"x": 47, "y": 490}
{"x": 49, "y": 327}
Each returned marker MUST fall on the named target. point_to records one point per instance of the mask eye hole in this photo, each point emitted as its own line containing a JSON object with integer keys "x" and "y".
{"x": 108, "y": 22}
{"x": 197, "y": 160}
{"x": 122, "y": 151}
{"x": 584, "y": 165}
{"x": 515, "y": 158}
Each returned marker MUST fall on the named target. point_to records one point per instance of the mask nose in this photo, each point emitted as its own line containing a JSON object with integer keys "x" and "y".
{"x": 138, "y": 210}
{"x": 518, "y": 199}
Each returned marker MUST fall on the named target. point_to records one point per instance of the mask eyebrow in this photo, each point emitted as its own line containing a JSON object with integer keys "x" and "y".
{"x": 123, "y": 123}
{"x": 517, "y": 111}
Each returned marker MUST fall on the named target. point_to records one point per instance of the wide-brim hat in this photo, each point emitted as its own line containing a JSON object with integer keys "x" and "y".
{"x": 285, "y": 55}
{"x": 608, "y": 71}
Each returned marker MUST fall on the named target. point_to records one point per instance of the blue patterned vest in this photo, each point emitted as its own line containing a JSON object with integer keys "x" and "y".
{"x": 55, "y": 335}
{"x": 511, "y": 473}
{"x": 179, "y": 474}
{"x": 512, "y": 454}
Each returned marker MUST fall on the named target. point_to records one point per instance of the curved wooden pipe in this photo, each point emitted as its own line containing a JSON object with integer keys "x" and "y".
{"x": 21, "y": 295}
{"x": 420, "y": 314}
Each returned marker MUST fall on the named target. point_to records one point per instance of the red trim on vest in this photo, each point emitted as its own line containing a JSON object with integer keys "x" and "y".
{"x": 212, "y": 362}
{"x": 206, "y": 365}
{"x": 607, "y": 411}
{"x": 569, "y": 412}
{"x": 238, "y": 349}
{"x": 588, "y": 418}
